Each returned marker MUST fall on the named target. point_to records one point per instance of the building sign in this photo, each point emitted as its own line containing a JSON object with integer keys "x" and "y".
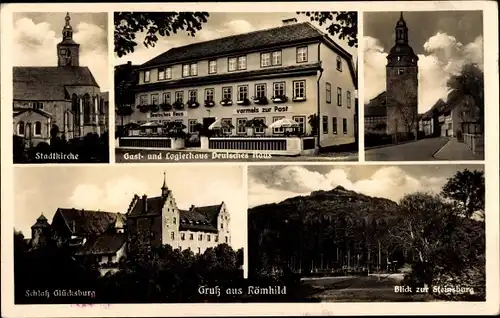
{"x": 167, "y": 114}
{"x": 263, "y": 110}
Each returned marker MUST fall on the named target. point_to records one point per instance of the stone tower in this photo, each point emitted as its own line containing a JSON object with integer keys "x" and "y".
{"x": 40, "y": 233}
{"x": 68, "y": 51}
{"x": 402, "y": 85}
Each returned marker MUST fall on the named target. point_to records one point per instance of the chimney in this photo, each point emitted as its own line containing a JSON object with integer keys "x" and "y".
{"x": 129, "y": 63}
{"x": 289, "y": 21}
{"x": 145, "y": 203}
{"x": 192, "y": 207}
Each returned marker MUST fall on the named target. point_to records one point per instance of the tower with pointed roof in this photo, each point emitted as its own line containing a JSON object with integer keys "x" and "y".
{"x": 164, "y": 189}
{"x": 402, "y": 84}
{"x": 40, "y": 232}
{"x": 68, "y": 50}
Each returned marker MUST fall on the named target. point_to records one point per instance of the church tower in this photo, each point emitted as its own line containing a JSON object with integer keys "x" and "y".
{"x": 68, "y": 51}
{"x": 402, "y": 85}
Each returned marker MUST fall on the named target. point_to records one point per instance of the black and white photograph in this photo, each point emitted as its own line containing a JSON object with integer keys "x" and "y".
{"x": 368, "y": 233}
{"x": 236, "y": 86}
{"x": 423, "y": 86}
{"x": 60, "y": 87}
{"x": 128, "y": 234}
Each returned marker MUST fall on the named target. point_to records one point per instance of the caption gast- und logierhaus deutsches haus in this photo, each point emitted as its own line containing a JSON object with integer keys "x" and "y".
{"x": 285, "y": 90}
{"x": 63, "y": 100}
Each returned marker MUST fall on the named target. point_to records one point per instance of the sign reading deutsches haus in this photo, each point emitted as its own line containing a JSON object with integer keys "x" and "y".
{"x": 167, "y": 114}
{"x": 263, "y": 110}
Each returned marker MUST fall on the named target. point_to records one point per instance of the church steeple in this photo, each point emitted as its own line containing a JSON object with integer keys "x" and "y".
{"x": 67, "y": 31}
{"x": 68, "y": 51}
{"x": 164, "y": 189}
{"x": 401, "y": 31}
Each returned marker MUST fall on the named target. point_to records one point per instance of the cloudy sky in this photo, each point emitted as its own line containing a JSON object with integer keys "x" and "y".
{"x": 111, "y": 188}
{"x": 443, "y": 41}
{"x": 36, "y": 35}
{"x": 219, "y": 25}
{"x": 270, "y": 184}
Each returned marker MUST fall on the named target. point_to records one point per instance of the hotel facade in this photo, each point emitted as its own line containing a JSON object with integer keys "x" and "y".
{"x": 294, "y": 71}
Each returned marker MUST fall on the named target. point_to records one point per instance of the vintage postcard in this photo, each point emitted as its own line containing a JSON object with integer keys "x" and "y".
{"x": 212, "y": 159}
{"x": 60, "y": 87}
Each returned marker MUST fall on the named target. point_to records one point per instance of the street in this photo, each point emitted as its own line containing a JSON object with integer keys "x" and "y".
{"x": 420, "y": 150}
{"x": 362, "y": 289}
{"x": 136, "y": 155}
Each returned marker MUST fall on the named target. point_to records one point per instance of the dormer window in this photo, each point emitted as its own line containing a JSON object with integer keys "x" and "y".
{"x": 401, "y": 71}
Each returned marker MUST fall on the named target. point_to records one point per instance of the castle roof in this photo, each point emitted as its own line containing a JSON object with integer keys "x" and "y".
{"x": 41, "y": 222}
{"x": 108, "y": 243}
{"x": 201, "y": 218}
{"x": 87, "y": 222}
{"x": 49, "y": 83}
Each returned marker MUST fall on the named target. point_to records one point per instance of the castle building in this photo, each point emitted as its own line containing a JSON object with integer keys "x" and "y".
{"x": 293, "y": 71}
{"x": 157, "y": 221}
{"x": 63, "y": 100}
{"x": 401, "y": 96}
{"x": 153, "y": 221}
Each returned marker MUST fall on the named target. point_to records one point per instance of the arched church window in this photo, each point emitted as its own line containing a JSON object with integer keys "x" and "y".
{"x": 38, "y": 128}
{"x": 27, "y": 130}
{"x": 86, "y": 109}
{"x": 20, "y": 128}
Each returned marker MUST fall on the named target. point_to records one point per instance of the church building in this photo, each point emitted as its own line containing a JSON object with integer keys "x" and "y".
{"x": 398, "y": 105}
{"x": 149, "y": 221}
{"x": 63, "y": 100}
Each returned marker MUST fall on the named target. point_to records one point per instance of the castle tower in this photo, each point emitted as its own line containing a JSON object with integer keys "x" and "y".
{"x": 164, "y": 189}
{"x": 40, "y": 232}
{"x": 402, "y": 84}
{"x": 68, "y": 51}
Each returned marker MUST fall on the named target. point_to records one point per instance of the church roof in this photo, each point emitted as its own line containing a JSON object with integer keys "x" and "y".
{"x": 108, "y": 243}
{"x": 48, "y": 83}
{"x": 87, "y": 222}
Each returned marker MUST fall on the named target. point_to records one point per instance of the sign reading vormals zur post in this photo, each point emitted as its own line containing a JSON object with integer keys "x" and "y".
{"x": 263, "y": 110}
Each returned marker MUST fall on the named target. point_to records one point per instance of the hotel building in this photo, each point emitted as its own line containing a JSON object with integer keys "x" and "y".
{"x": 294, "y": 71}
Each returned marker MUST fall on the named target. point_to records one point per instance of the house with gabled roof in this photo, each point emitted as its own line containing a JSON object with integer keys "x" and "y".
{"x": 63, "y": 100}
{"x": 292, "y": 71}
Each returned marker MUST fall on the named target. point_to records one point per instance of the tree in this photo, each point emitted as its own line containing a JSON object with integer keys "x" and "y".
{"x": 154, "y": 24}
{"x": 343, "y": 24}
{"x": 469, "y": 83}
{"x": 425, "y": 222}
{"x": 407, "y": 107}
{"x": 467, "y": 189}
